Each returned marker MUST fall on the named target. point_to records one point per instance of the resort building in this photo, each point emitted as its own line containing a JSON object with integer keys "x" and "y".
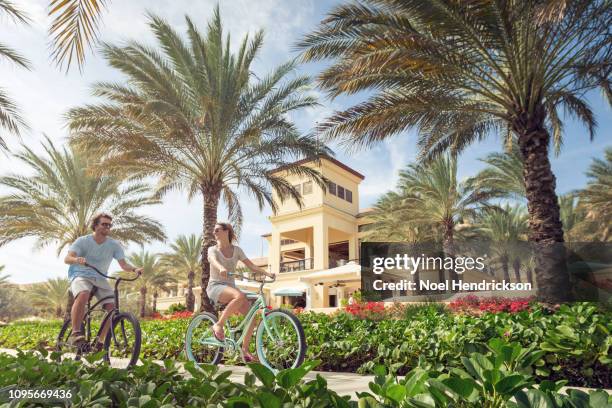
{"x": 314, "y": 250}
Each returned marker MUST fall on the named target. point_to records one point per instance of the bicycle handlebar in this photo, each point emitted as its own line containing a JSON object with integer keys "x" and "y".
{"x": 264, "y": 281}
{"x": 111, "y": 277}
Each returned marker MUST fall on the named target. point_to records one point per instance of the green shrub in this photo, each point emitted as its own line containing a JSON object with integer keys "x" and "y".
{"x": 176, "y": 307}
{"x": 576, "y": 340}
{"x": 498, "y": 378}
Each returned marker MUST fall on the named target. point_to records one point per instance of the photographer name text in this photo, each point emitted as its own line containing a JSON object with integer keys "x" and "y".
{"x": 427, "y": 285}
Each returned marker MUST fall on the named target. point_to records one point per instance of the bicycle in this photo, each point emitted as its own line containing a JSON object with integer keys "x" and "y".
{"x": 279, "y": 339}
{"x": 124, "y": 327}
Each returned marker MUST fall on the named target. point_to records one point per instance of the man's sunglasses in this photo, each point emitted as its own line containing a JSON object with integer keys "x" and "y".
{"x": 106, "y": 224}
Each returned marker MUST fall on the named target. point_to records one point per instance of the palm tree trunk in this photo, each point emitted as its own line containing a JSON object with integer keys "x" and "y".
{"x": 155, "y": 294}
{"x": 211, "y": 202}
{"x": 448, "y": 246}
{"x": 516, "y": 265}
{"x": 504, "y": 263}
{"x": 529, "y": 276}
{"x": 143, "y": 298}
{"x": 189, "y": 297}
{"x": 545, "y": 228}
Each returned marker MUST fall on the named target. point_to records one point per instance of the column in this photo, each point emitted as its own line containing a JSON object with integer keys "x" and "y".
{"x": 274, "y": 251}
{"x": 352, "y": 247}
{"x": 308, "y": 295}
{"x": 321, "y": 244}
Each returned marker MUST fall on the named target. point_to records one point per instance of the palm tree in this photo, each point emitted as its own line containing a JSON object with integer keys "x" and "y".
{"x": 194, "y": 115}
{"x": 51, "y": 294}
{"x": 572, "y": 216}
{"x": 460, "y": 71}
{"x": 596, "y": 199}
{"x": 391, "y": 221}
{"x": 153, "y": 277}
{"x": 56, "y": 203}
{"x": 503, "y": 173}
{"x": 505, "y": 227}
{"x": 183, "y": 262}
{"x": 10, "y": 120}
{"x": 433, "y": 198}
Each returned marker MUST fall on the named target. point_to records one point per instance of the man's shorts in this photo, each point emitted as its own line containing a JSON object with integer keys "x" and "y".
{"x": 80, "y": 284}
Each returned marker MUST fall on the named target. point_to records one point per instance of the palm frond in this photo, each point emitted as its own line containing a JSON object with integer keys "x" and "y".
{"x": 74, "y": 29}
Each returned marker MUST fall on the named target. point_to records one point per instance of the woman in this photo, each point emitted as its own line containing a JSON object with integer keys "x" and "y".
{"x": 221, "y": 289}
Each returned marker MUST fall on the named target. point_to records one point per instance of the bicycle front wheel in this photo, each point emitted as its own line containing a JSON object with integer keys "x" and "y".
{"x": 123, "y": 340}
{"x": 199, "y": 340}
{"x": 280, "y": 340}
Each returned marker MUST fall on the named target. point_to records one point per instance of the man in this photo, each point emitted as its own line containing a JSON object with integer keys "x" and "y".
{"x": 98, "y": 250}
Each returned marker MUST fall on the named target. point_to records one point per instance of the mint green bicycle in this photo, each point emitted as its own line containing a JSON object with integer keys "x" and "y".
{"x": 279, "y": 340}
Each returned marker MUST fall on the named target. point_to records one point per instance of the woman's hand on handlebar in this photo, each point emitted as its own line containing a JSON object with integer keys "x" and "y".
{"x": 139, "y": 270}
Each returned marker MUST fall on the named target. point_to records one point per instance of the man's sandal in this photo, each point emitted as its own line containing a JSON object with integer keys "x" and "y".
{"x": 76, "y": 339}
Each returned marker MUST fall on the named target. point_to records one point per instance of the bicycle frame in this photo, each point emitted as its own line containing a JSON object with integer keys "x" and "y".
{"x": 110, "y": 314}
{"x": 258, "y": 304}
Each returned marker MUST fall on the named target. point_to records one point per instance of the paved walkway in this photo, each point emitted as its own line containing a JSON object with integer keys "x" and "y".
{"x": 342, "y": 383}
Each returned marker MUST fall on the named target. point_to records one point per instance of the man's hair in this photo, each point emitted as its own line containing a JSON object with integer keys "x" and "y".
{"x": 97, "y": 218}
{"x": 230, "y": 230}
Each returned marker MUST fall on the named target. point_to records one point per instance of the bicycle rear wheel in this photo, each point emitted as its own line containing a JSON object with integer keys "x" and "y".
{"x": 282, "y": 344}
{"x": 123, "y": 340}
{"x": 198, "y": 339}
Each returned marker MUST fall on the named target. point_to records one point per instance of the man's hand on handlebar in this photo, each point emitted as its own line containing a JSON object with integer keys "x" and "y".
{"x": 80, "y": 260}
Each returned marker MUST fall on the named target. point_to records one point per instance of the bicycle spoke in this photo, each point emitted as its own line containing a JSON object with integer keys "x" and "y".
{"x": 280, "y": 345}
{"x": 123, "y": 339}
{"x": 200, "y": 342}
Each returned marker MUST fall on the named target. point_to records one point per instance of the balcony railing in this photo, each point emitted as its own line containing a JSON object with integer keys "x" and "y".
{"x": 299, "y": 265}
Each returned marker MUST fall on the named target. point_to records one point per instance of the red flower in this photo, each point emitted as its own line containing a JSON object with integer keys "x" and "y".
{"x": 492, "y": 304}
{"x": 181, "y": 315}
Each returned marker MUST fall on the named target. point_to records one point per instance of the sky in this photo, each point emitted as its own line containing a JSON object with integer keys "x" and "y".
{"x": 45, "y": 93}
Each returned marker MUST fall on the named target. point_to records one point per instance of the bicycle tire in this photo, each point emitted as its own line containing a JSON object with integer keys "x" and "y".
{"x": 189, "y": 351}
{"x": 301, "y": 338}
{"x": 61, "y": 343}
{"x": 117, "y": 320}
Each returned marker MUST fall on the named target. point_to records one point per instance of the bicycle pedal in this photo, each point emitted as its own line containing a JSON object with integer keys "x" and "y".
{"x": 85, "y": 348}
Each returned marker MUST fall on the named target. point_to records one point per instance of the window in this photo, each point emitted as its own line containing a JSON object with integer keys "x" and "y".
{"x": 348, "y": 195}
{"x": 298, "y": 187}
{"x": 307, "y": 187}
{"x": 340, "y": 191}
{"x": 332, "y": 301}
{"x": 331, "y": 187}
